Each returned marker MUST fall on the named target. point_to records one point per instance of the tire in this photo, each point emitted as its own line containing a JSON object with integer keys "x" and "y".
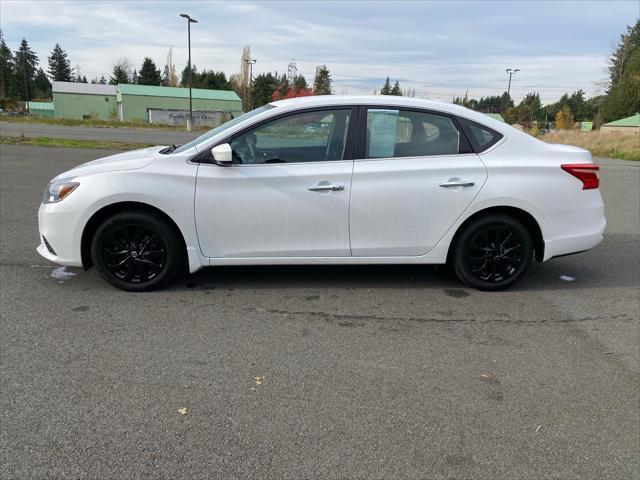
{"x": 137, "y": 251}
{"x": 492, "y": 252}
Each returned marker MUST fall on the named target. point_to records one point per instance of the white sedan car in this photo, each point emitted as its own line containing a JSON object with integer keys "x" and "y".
{"x": 329, "y": 180}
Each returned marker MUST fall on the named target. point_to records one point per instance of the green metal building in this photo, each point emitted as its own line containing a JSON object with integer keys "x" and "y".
{"x": 143, "y": 103}
{"x": 135, "y": 101}
{"x": 41, "y": 109}
{"x": 84, "y": 101}
{"x": 629, "y": 124}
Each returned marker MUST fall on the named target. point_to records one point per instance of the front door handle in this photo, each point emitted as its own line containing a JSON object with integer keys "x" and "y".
{"x": 327, "y": 188}
{"x": 457, "y": 183}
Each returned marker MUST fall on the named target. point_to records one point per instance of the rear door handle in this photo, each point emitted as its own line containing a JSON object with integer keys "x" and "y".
{"x": 327, "y": 188}
{"x": 457, "y": 183}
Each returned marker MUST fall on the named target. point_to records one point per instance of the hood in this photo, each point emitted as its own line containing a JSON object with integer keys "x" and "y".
{"x": 122, "y": 161}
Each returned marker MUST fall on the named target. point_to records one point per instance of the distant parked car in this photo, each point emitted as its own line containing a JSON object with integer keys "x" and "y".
{"x": 389, "y": 180}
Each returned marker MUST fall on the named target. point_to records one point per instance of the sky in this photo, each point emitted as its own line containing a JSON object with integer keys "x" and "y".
{"x": 440, "y": 48}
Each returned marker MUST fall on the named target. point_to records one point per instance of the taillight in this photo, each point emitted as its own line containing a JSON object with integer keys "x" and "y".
{"x": 587, "y": 173}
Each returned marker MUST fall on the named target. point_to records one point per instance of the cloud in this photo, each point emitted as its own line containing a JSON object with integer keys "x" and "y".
{"x": 440, "y": 48}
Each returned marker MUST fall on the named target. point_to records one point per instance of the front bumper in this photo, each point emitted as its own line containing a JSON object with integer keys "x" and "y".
{"x": 60, "y": 224}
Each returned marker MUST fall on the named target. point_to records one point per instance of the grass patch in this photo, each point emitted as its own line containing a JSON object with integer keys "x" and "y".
{"x": 72, "y": 143}
{"x": 73, "y": 122}
{"x": 621, "y": 145}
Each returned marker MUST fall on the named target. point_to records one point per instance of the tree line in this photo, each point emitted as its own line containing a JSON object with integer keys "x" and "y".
{"x": 621, "y": 98}
{"x": 22, "y": 78}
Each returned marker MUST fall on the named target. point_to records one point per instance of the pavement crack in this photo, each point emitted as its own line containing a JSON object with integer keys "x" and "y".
{"x": 342, "y": 318}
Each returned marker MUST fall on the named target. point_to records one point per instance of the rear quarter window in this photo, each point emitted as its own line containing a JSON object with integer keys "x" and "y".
{"x": 480, "y": 136}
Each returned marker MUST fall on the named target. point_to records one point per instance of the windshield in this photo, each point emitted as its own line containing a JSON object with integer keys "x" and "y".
{"x": 212, "y": 133}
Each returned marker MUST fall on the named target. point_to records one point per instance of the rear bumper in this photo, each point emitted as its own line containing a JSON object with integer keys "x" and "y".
{"x": 571, "y": 245}
{"x": 575, "y": 230}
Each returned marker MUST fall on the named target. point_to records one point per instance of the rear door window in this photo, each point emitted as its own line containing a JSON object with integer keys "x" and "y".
{"x": 397, "y": 133}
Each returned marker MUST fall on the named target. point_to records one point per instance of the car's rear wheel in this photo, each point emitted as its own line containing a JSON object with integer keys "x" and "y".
{"x": 137, "y": 251}
{"x": 492, "y": 252}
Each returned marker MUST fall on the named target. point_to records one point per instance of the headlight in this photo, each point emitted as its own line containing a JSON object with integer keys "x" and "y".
{"x": 58, "y": 190}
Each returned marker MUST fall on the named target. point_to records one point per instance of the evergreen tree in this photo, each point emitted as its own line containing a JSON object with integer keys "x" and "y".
{"x": 465, "y": 101}
{"x": 626, "y": 46}
{"x": 119, "y": 75}
{"x": 149, "y": 74}
{"x": 41, "y": 85}
{"x": 59, "y": 65}
{"x": 396, "y": 89}
{"x": 214, "y": 80}
{"x": 134, "y": 77}
{"x": 576, "y": 103}
{"x": 24, "y": 72}
{"x": 623, "y": 99}
{"x": 6, "y": 69}
{"x": 166, "y": 77}
{"x": 283, "y": 85}
{"x": 386, "y": 88}
{"x": 300, "y": 83}
{"x": 623, "y": 95}
{"x": 531, "y": 106}
{"x": 184, "y": 77}
{"x": 263, "y": 87}
{"x": 102, "y": 81}
{"x": 322, "y": 81}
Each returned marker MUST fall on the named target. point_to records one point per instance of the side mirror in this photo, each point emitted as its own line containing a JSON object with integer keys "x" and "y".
{"x": 222, "y": 154}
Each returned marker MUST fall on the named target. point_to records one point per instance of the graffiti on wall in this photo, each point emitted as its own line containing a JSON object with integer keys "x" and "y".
{"x": 205, "y": 118}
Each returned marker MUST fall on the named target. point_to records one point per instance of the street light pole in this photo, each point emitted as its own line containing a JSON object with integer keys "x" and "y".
{"x": 511, "y": 73}
{"x": 251, "y": 61}
{"x": 189, "y": 22}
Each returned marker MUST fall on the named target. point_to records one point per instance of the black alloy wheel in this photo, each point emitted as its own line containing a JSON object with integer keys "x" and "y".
{"x": 137, "y": 250}
{"x": 492, "y": 252}
{"x": 134, "y": 254}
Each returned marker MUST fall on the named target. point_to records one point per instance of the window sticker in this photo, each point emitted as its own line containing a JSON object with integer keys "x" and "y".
{"x": 382, "y": 132}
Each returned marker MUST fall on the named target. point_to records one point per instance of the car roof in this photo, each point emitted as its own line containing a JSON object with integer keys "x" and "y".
{"x": 388, "y": 101}
{"x": 329, "y": 100}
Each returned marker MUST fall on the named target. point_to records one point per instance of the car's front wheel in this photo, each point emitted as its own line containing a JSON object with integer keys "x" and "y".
{"x": 492, "y": 252}
{"x": 137, "y": 251}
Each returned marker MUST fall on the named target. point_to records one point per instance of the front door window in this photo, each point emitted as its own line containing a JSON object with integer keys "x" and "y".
{"x": 316, "y": 136}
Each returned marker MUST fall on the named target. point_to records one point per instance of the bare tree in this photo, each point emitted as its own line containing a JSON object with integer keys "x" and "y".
{"x": 169, "y": 76}
{"x": 240, "y": 82}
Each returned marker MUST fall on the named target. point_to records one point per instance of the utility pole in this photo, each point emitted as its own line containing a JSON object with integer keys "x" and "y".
{"x": 189, "y": 22}
{"x": 251, "y": 61}
{"x": 511, "y": 73}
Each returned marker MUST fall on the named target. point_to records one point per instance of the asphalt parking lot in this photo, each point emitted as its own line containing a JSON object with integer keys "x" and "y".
{"x": 310, "y": 372}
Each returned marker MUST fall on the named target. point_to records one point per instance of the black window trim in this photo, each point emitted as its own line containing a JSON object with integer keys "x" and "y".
{"x": 349, "y": 149}
{"x": 362, "y": 130}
